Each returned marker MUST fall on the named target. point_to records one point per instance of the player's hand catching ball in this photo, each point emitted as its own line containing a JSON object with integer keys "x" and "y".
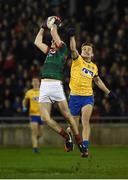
{"x": 54, "y": 20}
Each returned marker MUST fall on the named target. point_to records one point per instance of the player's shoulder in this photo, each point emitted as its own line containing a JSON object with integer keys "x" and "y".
{"x": 93, "y": 64}
{"x": 79, "y": 58}
{"x": 29, "y": 91}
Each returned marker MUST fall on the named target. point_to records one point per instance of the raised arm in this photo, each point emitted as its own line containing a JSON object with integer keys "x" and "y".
{"x": 38, "y": 41}
{"x": 74, "y": 52}
{"x": 55, "y": 35}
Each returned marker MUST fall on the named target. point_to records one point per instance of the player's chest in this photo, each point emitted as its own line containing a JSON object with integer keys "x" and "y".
{"x": 34, "y": 97}
{"x": 85, "y": 70}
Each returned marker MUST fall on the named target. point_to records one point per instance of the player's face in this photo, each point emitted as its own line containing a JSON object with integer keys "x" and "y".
{"x": 35, "y": 82}
{"x": 87, "y": 52}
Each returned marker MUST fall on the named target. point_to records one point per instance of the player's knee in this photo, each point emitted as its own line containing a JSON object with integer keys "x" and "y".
{"x": 34, "y": 132}
{"x": 45, "y": 118}
{"x": 86, "y": 123}
{"x": 40, "y": 133}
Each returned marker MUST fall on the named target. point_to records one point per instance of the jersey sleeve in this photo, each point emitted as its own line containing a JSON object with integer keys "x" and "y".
{"x": 77, "y": 61}
{"x": 96, "y": 72}
{"x": 27, "y": 95}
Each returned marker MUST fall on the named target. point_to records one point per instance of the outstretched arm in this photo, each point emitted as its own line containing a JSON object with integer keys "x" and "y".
{"x": 55, "y": 35}
{"x": 38, "y": 41}
{"x": 101, "y": 85}
{"x": 74, "y": 52}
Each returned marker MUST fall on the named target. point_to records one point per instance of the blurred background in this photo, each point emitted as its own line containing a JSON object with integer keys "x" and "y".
{"x": 103, "y": 23}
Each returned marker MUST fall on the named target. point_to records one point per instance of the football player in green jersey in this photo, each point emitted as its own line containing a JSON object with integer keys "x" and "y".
{"x": 51, "y": 88}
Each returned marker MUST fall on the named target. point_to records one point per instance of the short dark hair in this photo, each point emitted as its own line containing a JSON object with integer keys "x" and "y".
{"x": 35, "y": 77}
{"x": 87, "y": 44}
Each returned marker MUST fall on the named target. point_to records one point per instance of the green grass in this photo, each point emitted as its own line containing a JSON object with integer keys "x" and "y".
{"x": 54, "y": 163}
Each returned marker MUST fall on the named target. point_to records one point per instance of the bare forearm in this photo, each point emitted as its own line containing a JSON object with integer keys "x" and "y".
{"x": 74, "y": 52}
{"x": 38, "y": 41}
{"x": 39, "y": 37}
{"x": 72, "y": 43}
{"x": 55, "y": 35}
{"x": 102, "y": 86}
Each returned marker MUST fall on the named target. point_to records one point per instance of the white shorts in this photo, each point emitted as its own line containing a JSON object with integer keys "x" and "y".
{"x": 51, "y": 91}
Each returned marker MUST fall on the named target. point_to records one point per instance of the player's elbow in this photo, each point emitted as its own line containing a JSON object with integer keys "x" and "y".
{"x": 72, "y": 49}
{"x": 36, "y": 43}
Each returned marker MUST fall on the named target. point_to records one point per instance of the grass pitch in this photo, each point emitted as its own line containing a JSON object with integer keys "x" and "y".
{"x": 54, "y": 163}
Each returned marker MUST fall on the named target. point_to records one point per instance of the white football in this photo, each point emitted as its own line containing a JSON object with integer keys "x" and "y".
{"x": 50, "y": 21}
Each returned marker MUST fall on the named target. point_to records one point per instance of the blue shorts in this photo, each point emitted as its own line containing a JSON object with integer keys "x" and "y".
{"x": 77, "y": 102}
{"x": 36, "y": 119}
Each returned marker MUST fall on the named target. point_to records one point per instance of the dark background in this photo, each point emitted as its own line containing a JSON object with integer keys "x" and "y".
{"x": 103, "y": 23}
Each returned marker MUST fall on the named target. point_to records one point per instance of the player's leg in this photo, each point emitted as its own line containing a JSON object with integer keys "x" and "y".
{"x": 40, "y": 127}
{"x": 67, "y": 115}
{"x": 34, "y": 135}
{"x": 45, "y": 109}
{"x": 40, "y": 130}
{"x": 85, "y": 118}
{"x": 45, "y": 104}
{"x": 63, "y": 106}
{"x": 48, "y": 94}
{"x": 69, "y": 130}
{"x": 77, "y": 119}
{"x": 75, "y": 108}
